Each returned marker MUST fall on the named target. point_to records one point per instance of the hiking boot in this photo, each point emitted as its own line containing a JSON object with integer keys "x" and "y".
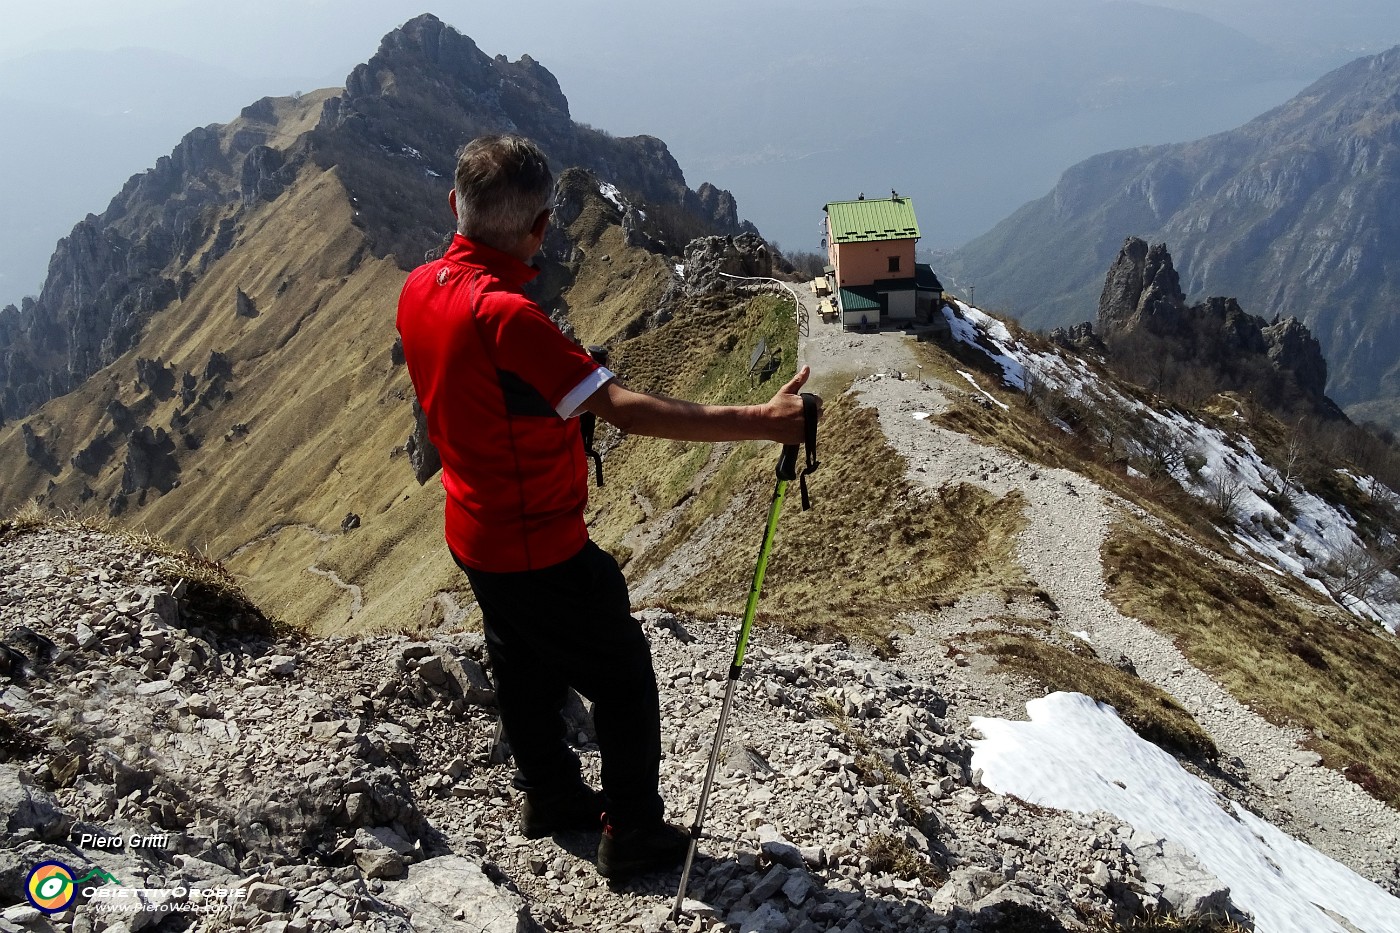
{"x": 578, "y": 812}
{"x": 642, "y": 850}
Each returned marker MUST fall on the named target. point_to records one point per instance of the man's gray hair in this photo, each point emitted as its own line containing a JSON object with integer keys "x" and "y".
{"x": 503, "y": 183}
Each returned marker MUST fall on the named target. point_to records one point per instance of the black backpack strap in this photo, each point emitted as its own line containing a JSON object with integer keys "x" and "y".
{"x": 588, "y": 422}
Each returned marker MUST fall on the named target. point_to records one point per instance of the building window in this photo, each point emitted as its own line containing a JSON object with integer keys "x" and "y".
{"x": 894, "y": 263}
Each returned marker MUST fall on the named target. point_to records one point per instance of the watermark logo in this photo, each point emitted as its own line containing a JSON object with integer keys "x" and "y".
{"x": 51, "y": 886}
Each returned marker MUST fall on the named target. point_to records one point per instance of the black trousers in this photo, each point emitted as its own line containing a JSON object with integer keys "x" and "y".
{"x": 571, "y": 625}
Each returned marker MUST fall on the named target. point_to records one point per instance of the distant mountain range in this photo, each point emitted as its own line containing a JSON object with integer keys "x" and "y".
{"x": 1296, "y": 213}
{"x": 970, "y": 108}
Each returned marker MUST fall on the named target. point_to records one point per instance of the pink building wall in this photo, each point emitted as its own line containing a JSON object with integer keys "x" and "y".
{"x": 868, "y": 263}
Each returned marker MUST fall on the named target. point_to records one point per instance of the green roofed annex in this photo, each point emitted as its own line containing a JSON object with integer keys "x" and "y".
{"x": 873, "y": 275}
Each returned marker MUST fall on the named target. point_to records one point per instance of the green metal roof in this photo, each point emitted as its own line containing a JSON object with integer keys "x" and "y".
{"x": 858, "y": 300}
{"x": 872, "y": 220}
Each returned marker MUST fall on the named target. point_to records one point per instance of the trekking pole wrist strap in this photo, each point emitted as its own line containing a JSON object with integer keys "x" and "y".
{"x": 787, "y": 463}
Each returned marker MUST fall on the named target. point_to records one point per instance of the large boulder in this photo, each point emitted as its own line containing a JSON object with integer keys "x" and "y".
{"x": 1188, "y": 888}
{"x": 709, "y": 259}
{"x": 27, "y": 809}
{"x": 441, "y": 893}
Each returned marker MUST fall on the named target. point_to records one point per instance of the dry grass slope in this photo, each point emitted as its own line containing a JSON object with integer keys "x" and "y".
{"x": 1296, "y": 664}
{"x": 701, "y": 354}
{"x": 873, "y": 545}
{"x": 303, "y": 435}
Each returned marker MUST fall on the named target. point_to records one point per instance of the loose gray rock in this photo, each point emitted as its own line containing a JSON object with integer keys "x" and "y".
{"x": 450, "y": 893}
{"x": 29, "y": 811}
{"x": 1187, "y": 888}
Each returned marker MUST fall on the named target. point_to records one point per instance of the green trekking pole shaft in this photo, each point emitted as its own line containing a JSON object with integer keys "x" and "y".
{"x": 751, "y": 607}
{"x": 787, "y": 471}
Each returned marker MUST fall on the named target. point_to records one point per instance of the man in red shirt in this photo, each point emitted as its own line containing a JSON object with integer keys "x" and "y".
{"x": 501, "y": 387}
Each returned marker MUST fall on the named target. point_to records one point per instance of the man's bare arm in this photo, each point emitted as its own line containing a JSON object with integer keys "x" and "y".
{"x": 779, "y": 419}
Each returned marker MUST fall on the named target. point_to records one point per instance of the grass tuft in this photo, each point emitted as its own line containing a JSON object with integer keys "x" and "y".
{"x": 28, "y": 517}
{"x": 214, "y": 600}
{"x": 873, "y": 769}
{"x": 17, "y": 741}
{"x": 894, "y": 856}
{"x": 1164, "y": 922}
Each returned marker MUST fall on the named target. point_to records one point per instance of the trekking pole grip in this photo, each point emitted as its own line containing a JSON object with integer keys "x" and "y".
{"x": 787, "y": 463}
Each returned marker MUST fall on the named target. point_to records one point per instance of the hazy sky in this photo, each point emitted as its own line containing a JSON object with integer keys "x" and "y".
{"x": 278, "y": 39}
{"x": 971, "y": 108}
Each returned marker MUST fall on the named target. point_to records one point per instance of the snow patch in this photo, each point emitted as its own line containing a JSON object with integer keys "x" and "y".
{"x": 985, "y": 394}
{"x": 1076, "y": 754}
{"x": 610, "y": 192}
{"x": 1303, "y": 543}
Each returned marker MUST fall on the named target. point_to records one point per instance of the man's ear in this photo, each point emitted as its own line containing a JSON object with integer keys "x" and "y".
{"x": 452, "y": 200}
{"x": 541, "y": 224}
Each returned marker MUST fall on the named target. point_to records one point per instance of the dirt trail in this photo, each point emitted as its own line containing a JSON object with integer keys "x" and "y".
{"x": 1068, "y": 517}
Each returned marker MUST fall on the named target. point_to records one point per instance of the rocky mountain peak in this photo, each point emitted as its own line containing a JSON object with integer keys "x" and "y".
{"x": 1143, "y": 312}
{"x": 1142, "y": 289}
{"x": 391, "y": 138}
{"x": 1293, "y": 348}
{"x": 709, "y": 259}
{"x": 426, "y": 46}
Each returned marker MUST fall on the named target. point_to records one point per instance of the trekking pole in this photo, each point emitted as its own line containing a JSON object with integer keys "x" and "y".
{"x": 787, "y": 471}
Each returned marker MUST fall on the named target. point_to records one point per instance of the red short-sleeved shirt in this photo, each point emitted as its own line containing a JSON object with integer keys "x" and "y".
{"x": 499, "y": 384}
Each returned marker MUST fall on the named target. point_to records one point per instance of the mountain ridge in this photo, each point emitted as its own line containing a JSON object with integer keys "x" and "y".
{"x": 113, "y": 271}
{"x": 1286, "y": 213}
{"x": 230, "y": 417}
